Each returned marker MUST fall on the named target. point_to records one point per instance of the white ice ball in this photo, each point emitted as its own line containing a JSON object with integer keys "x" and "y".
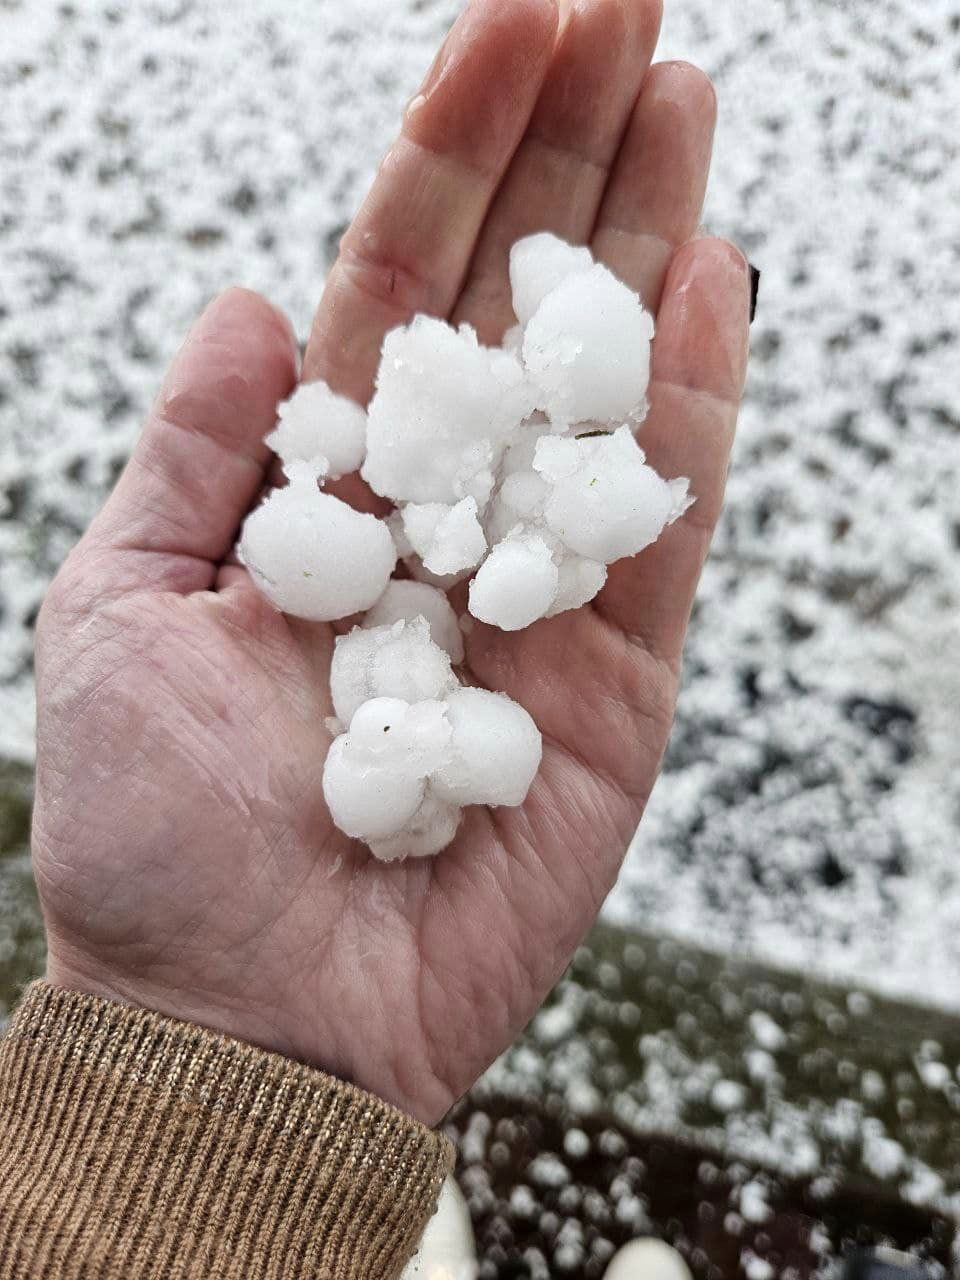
{"x": 316, "y": 422}
{"x": 516, "y": 584}
{"x": 539, "y": 263}
{"x": 429, "y": 831}
{"x": 404, "y": 601}
{"x": 368, "y": 799}
{"x": 448, "y": 539}
{"x": 647, "y": 1260}
{"x": 447, "y": 1250}
{"x": 396, "y": 661}
{"x": 606, "y": 503}
{"x": 442, "y": 412}
{"x": 587, "y": 350}
{"x": 314, "y": 556}
{"x": 495, "y": 750}
{"x": 580, "y": 581}
{"x": 414, "y": 736}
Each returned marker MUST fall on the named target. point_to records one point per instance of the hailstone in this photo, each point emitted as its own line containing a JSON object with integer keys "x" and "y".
{"x": 442, "y": 412}
{"x": 314, "y": 423}
{"x": 395, "y": 661}
{"x": 587, "y": 350}
{"x": 605, "y": 502}
{"x": 538, "y": 264}
{"x": 405, "y": 600}
{"x": 495, "y": 750}
{"x": 314, "y": 556}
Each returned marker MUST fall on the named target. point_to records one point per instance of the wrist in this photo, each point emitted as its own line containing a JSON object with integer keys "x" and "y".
{"x": 71, "y": 969}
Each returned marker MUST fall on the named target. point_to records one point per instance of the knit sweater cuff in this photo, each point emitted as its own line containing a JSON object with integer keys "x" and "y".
{"x": 134, "y": 1145}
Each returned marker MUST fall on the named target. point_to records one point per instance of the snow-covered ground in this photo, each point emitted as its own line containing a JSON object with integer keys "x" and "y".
{"x": 152, "y": 153}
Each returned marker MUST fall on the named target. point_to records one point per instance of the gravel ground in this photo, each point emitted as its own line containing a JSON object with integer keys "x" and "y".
{"x": 151, "y": 154}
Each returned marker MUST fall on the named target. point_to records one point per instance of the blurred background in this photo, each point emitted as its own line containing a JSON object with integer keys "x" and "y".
{"x": 807, "y": 818}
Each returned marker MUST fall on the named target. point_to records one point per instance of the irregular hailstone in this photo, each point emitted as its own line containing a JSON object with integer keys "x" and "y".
{"x": 447, "y": 539}
{"x": 579, "y": 580}
{"x": 407, "y": 601}
{"x": 447, "y": 1250}
{"x": 605, "y": 503}
{"x": 374, "y": 778}
{"x": 396, "y": 661}
{"x": 495, "y": 750}
{"x": 317, "y": 423}
{"x": 539, "y": 263}
{"x": 516, "y": 584}
{"x": 442, "y": 413}
{"x": 429, "y": 831}
{"x": 587, "y": 350}
{"x": 311, "y": 554}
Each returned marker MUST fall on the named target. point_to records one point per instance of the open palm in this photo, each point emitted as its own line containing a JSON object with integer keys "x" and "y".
{"x": 184, "y": 855}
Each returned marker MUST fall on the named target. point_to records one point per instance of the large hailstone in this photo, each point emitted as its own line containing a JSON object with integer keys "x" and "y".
{"x": 538, "y": 264}
{"x": 495, "y": 750}
{"x": 516, "y": 584}
{"x": 316, "y": 423}
{"x": 442, "y": 412}
{"x": 426, "y": 833}
{"x": 586, "y": 348}
{"x": 417, "y": 747}
{"x": 374, "y": 779}
{"x": 447, "y": 539}
{"x": 405, "y": 600}
{"x": 395, "y": 661}
{"x": 605, "y": 503}
{"x": 311, "y": 554}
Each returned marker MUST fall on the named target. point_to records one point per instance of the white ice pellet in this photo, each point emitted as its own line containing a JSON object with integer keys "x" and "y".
{"x": 448, "y": 539}
{"x": 495, "y": 750}
{"x": 369, "y": 798}
{"x": 539, "y": 263}
{"x": 390, "y": 731}
{"x": 397, "y": 661}
{"x": 316, "y": 422}
{"x": 605, "y": 502}
{"x": 430, "y": 830}
{"x": 587, "y": 350}
{"x": 516, "y": 584}
{"x": 578, "y": 582}
{"x": 442, "y": 412}
{"x": 405, "y": 601}
{"x": 311, "y": 554}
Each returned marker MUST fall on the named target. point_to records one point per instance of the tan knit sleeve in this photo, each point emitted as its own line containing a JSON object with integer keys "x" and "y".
{"x": 135, "y": 1146}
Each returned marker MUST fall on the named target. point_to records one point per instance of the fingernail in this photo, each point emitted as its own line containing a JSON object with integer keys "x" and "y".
{"x": 708, "y": 309}
{"x": 754, "y": 289}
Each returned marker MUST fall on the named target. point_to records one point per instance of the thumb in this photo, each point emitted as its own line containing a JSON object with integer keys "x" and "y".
{"x": 200, "y": 459}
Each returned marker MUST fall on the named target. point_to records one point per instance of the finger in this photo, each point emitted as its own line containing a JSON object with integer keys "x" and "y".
{"x": 409, "y": 246}
{"x": 655, "y": 195}
{"x": 200, "y": 459}
{"x": 556, "y": 180}
{"x": 697, "y": 376}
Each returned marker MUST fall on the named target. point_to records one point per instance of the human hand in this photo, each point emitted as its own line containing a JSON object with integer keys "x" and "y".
{"x": 184, "y": 856}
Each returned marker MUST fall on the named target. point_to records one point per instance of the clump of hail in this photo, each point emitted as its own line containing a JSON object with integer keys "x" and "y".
{"x": 515, "y": 467}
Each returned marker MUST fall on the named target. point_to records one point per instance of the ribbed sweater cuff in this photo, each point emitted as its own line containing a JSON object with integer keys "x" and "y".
{"x": 136, "y": 1146}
